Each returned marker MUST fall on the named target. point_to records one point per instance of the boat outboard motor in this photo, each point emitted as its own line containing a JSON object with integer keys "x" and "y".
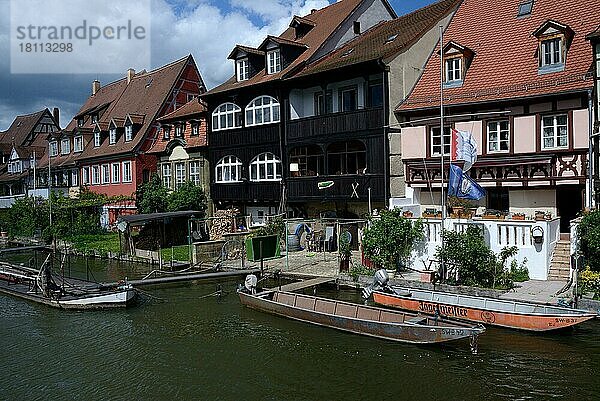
{"x": 380, "y": 280}
{"x": 250, "y": 284}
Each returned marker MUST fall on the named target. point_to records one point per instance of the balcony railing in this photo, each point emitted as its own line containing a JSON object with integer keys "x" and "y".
{"x": 247, "y": 191}
{"x": 345, "y": 187}
{"x": 337, "y": 123}
{"x": 245, "y": 136}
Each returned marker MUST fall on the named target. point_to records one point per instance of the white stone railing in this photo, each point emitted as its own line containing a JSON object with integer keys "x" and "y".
{"x": 498, "y": 235}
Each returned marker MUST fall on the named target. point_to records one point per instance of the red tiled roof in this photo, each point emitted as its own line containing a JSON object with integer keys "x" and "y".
{"x": 385, "y": 39}
{"x": 21, "y": 128}
{"x": 144, "y": 96}
{"x": 192, "y": 108}
{"x": 246, "y": 49}
{"x": 505, "y": 63}
{"x": 326, "y": 21}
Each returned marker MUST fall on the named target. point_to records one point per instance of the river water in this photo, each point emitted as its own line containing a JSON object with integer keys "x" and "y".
{"x": 187, "y": 346}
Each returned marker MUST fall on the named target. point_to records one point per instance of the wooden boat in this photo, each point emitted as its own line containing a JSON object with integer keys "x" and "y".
{"x": 498, "y": 312}
{"x": 360, "y": 319}
{"x": 41, "y": 287}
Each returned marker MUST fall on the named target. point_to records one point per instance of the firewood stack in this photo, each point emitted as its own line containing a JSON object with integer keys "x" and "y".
{"x": 223, "y": 223}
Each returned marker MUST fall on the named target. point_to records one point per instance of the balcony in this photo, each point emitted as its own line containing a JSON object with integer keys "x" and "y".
{"x": 345, "y": 187}
{"x": 337, "y": 123}
{"x": 245, "y": 136}
{"x": 246, "y": 191}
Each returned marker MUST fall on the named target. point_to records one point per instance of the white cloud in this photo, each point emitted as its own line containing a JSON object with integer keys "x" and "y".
{"x": 210, "y": 34}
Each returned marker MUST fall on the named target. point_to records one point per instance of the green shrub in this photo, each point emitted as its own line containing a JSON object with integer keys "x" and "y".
{"x": 389, "y": 240}
{"x": 467, "y": 255}
{"x": 588, "y": 238}
{"x": 589, "y": 282}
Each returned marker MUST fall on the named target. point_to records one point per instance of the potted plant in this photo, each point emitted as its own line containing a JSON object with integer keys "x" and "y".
{"x": 431, "y": 213}
{"x": 491, "y": 214}
{"x": 540, "y": 215}
{"x": 345, "y": 251}
{"x": 264, "y": 243}
{"x": 518, "y": 216}
{"x": 407, "y": 213}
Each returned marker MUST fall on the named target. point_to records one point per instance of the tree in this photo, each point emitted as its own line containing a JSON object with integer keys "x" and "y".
{"x": 588, "y": 239}
{"x": 475, "y": 264}
{"x": 152, "y": 197}
{"x": 389, "y": 240}
{"x": 188, "y": 196}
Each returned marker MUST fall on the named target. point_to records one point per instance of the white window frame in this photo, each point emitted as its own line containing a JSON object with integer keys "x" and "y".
{"x": 447, "y": 140}
{"x": 263, "y": 110}
{"x": 115, "y": 173}
{"x": 127, "y": 173}
{"x": 78, "y": 143}
{"x": 128, "y": 132}
{"x": 85, "y": 176}
{"x": 260, "y": 166}
{"x": 241, "y": 69}
{"x": 166, "y": 174}
{"x": 195, "y": 174}
{"x": 105, "y": 174}
{"x": 228, "y": 169}
{"x": 227, "y": 113}
{"x": 554, "y": 134}
{"x": 453, "y": 69}
{"x": 195, "y": 129}
{"x": 273, "y": 61}
{"x": 53, "y": 149}
{"x": 548, "y": 47}
{"x": 179, "y": 129}
{"x": 96, "y": 175}
{"x": 65, "y": 146}
{"x": 498, "y": 131}
{"x": 180, "y": 174}
{"x": 97, "y": 140}
{"x": 112, "y": 134}
{"x": 74, "y": 178}
{"x": 166, "y": 132}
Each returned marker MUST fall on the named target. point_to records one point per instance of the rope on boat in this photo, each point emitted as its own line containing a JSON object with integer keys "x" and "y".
{"x": 147, "y": 294}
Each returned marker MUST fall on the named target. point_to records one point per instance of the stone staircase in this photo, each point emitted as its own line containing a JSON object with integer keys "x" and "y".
{"x": 560, "y": 265}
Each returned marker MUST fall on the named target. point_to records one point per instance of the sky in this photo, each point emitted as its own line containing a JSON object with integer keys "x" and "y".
{"x": 208, "y": 29}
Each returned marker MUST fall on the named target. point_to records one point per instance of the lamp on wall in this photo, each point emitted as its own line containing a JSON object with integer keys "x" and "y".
{"x": 537, "y": 233}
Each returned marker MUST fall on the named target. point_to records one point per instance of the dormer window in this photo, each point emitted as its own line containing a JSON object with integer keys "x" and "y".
{"x": 65, "y": 146}
{"x": 554, "y": 39}
{"x": 113, "y": 136}
{"x": 53, "y": 148}
{"x": 78, "y": 144}
{"x": 80, "y": 122}
{"x": 166, "y": 132}
{"x": 453, "y": 70}
{"x": 457, "y": 59}
{"x": 242, "y": 69}
{"x": 273, "y": 61}
{"x": 94, "y": 118}
{"x": 551, "y": 50}
{"x": 97, "y": 139}
{"x": 128, "y": 132}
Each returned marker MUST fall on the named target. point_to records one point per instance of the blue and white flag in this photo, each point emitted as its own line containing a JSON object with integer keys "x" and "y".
{"x": 462, "y": 186}
{"x": 463, "y": 147}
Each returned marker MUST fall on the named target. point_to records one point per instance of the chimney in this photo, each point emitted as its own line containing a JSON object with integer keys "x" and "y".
{"x": 56, "y": 115}
{"x": 130, "y": 74}
{"x": 313, "y": 10}
{"x": 95, "y": 87}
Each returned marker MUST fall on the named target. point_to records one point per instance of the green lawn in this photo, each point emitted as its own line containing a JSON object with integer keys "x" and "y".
{"x": 180, "y": 253}
{"x": 99, "y": 243}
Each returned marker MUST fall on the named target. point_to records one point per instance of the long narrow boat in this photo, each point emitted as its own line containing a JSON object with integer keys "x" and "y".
{"x": 360, "y": 319}
{"x": 492, "y": 311}
{"x": 23, "y": 283}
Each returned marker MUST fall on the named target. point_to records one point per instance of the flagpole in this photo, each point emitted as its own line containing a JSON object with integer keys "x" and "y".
{"x": 443, "y": 145}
